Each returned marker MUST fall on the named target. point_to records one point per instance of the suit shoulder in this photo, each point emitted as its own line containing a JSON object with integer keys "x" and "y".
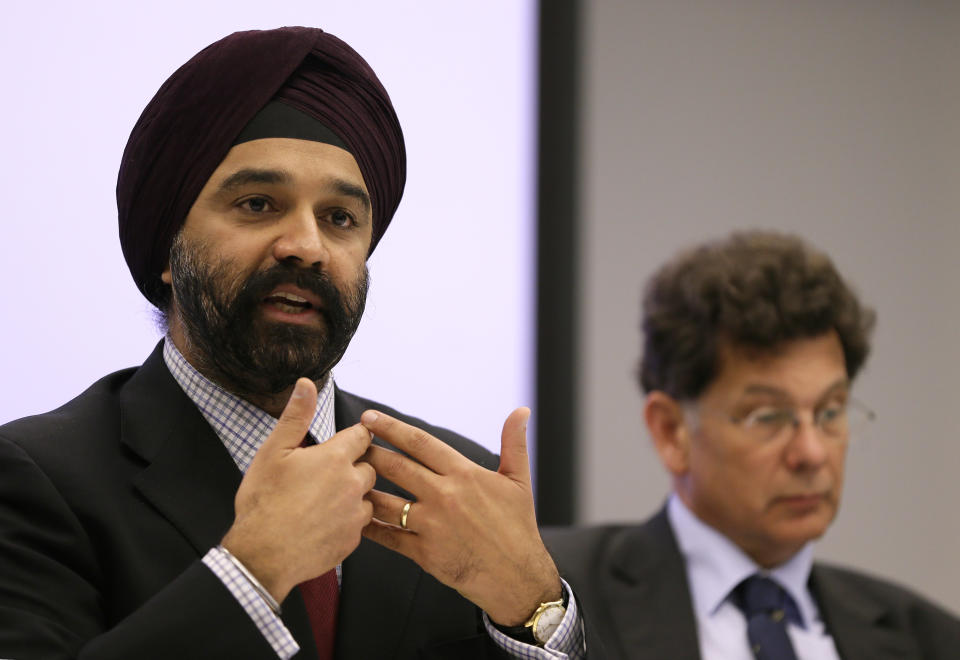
{"x": 879, "y": 588}
{"x": 94, "y": 410}
{"x": 355, "y": 405}
{"x": 609, "y": 537}
{"x": 885, "y": 593}
{"x": 582, "y": 551}
{"x": 585, "y": 538}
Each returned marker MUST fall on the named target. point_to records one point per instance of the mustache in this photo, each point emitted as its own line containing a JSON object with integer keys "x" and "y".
{"x": 259, "y": 285}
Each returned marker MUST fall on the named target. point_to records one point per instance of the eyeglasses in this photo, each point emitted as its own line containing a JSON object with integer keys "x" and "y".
{"x": 834, "y": 420}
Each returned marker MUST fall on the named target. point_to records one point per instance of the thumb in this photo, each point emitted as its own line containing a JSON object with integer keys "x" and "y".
{"x": 514, "y": 462}
{"x": 295, "y": 419}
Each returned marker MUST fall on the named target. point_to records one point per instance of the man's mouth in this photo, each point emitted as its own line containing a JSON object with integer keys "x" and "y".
{"x": 288, "y": 302}
{"x": 803, "y": 501}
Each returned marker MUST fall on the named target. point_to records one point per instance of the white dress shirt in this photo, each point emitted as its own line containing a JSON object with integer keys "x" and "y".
{"x": 715, "y": 566}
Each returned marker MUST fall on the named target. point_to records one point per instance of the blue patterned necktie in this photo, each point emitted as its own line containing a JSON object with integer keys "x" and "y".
{"x": 767, "y": 608}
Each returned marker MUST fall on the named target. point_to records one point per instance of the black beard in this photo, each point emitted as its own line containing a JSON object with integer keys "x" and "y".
{"x": 236, "y": 348}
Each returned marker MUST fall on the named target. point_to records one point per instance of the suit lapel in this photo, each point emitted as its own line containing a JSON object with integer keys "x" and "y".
{"x": 648, "y": 595}
{"x": 856, "y": 622}
{"x": 190, "y": 477}
{"x": 374, "y": 612}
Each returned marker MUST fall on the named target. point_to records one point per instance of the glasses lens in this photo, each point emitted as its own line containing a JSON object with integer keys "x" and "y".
{"x": 767, "y": 423}
{"x": 833, "y": 420}
{"x": 859, "y": 417}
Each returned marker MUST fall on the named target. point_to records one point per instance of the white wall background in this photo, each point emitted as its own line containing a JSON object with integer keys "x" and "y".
{"x": 836, "y": 120}
{"x": 447, "y": 333}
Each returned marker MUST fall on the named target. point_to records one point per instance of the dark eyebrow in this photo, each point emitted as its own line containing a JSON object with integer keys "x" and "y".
{"x": 841, "y": 384}
{"x": 766, "y": 389}
{"x": 250, "y": 175}
{"x": 352, "y": 190}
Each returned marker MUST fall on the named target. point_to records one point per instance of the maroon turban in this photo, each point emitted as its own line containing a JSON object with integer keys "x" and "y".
{"x": 190, "y": 124}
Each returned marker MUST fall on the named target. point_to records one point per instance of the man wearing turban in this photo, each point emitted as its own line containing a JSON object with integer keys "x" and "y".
{"x": 226, "y": 499}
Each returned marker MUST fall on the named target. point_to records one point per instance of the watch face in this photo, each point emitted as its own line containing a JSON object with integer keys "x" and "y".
{"x": 548, "y": 621}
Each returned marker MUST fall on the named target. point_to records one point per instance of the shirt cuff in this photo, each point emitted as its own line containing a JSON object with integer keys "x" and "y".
{"x": 268, "y": 623}
{"x": 567, "y": 641}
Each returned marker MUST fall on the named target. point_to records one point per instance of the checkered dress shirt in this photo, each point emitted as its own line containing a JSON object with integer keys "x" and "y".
{"x": 242, "y": 427}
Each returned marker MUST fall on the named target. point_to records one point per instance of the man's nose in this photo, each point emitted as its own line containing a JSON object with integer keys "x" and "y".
{"x": 808, "y": 444}
{"x": 301, "y": 240}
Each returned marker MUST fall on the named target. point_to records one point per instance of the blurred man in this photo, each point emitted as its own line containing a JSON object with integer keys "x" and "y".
{"x": 212, "y": 502}
{"x": 751, "y": 347}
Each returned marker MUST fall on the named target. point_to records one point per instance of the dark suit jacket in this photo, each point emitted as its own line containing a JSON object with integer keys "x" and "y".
{"x": 107, "y": 505}
{"x": 633, "y": 581}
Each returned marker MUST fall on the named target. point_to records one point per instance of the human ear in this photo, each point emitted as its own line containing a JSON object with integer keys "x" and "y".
{"x": 668, "y": 429}
{"x": 165, "y": 276}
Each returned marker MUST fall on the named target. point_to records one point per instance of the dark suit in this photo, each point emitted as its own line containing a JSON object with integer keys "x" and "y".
{"x": 107, "y": 505}
{"x": 633, "y": 581}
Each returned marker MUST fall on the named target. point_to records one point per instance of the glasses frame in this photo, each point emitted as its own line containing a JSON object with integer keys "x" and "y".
{"x": 793, "y": 420}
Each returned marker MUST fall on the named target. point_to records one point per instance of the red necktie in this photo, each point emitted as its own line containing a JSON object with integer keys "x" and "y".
{"x": 321, "y": 596}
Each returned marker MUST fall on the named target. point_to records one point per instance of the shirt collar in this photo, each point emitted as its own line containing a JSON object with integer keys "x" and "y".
{"x": 715, "y": 565}
{"x": 241, "y": 426}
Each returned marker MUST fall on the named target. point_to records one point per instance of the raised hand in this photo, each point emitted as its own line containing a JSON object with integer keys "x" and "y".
{"x": 300, "y": 510}
{"x": 473, "y": 529}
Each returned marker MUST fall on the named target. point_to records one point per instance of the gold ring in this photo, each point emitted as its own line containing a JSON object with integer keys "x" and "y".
{"x": 403, "y": 514}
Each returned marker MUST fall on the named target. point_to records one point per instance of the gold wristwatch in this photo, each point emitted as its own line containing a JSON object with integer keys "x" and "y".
{"x": 542, "y": 623}
{"x": 546, "y": 619}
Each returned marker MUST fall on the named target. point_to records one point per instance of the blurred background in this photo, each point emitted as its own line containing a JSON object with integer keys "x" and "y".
{"x": 839, "y": 121}
{"x": 558, "y": 154}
